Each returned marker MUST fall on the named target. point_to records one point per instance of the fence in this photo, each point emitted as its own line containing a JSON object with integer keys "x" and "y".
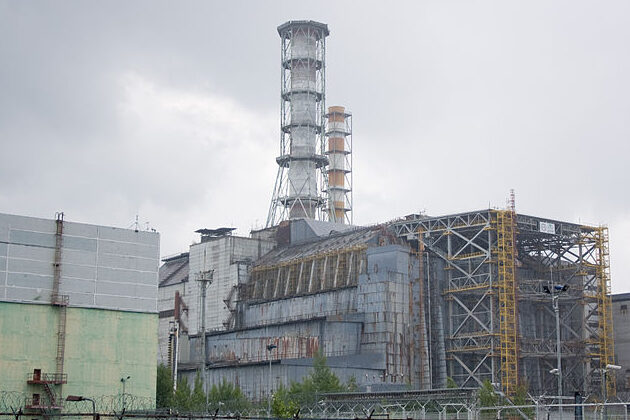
{"x": 12, "y": 407}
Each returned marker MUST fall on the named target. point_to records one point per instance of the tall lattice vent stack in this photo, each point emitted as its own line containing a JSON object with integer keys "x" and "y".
{"x": 301, "y": 179}
{"x": 339, "y": 173}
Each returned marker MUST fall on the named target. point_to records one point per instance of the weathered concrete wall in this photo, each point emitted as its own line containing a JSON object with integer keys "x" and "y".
{"x": 621, "y": 324}
{"x": 254, "y": 378}
{"x": 228, "y": 256}
{"x": 364, "y": 331}
{"x": 102, "y": 346}
{"x": 293, "y": 340}
{"x": 335, "y": 302}
{"x": 384, "y": 298}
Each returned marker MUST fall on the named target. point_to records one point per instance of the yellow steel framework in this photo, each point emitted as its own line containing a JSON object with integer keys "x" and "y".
{"x": 508, "y": 332}
{"x": 607, "y": 344}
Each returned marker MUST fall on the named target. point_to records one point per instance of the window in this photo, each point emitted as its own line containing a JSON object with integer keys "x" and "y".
{"x": 623, "y": 309}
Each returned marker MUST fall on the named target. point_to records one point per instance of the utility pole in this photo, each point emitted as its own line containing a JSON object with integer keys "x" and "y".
{"x": 270, "y": 347}
{"x": 554, "y": 290}
{"x": 205, "y": 279}
{"x": 556, "y": 309}
{"x": 124, "y": 382}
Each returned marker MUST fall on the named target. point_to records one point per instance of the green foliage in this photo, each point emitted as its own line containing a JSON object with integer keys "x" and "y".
{"x": 282, "y": 405}
{"x": 182, "y": 400}
{"x": 324, "y": 380}
{"x": 321, "y": 379}
{"x": 487, "y": 396}
{"x": 228, "y": 398}
{"x": 352, "y": 385}
{"x": 164, "y": 387}
{"x": 198, "y": 397}
{"x": 521, "y": 398}
{"x": 450, "y": 382}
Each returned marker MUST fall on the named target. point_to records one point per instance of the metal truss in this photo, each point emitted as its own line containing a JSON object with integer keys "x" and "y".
{"x": 315, "y": 273}
{"x": 468, "y": 247}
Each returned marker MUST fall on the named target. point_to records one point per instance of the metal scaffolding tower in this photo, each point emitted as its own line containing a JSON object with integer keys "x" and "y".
{"x": 508, "y": 331}
{"x": 597, "y": 271}
{"x": 339, "y": 172}
{"x": 498, "y": 323}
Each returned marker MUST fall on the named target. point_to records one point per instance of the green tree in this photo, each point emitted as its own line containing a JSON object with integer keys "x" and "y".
{"x": 198, "y": 397}
{"x": 450, "y": 382}
{"x": 283, "y": 406}
{"x": 182, "y": 397}
{"x": 351, "y": 385}
{"x": 321, "y": 379}
{"x": 164, "y": 387}
{"x": 227, "y": 397}
{"x": 324, "y": 380}
{"x": 521, "y": 398}
{"x": 487, "y": 396}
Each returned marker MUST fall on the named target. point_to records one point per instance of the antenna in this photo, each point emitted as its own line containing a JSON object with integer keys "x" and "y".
{"x": 511, "y": 204}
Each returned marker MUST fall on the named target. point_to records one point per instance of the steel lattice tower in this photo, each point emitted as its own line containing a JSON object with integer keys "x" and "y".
{"x": 339, "y": 171}
{"x": 301, "y": 179}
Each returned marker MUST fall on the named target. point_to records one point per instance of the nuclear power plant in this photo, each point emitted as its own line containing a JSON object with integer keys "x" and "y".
{"x": 411, "y": 303}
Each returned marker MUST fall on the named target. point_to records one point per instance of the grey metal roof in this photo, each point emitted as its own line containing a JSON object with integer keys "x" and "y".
{"x": 174, "y": 270}
{"x": 287, "y": 26}
{"x": 222, "y": 231}
{"x": 620, "y": 297}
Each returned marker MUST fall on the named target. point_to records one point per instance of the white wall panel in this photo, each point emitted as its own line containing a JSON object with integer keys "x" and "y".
{"x": 102, "y": 267}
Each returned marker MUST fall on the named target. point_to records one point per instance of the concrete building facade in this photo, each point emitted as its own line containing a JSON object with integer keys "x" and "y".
{"x": 78, "y": 310}
{"x": 621, "y": 321}
{"x": 219, "y": 262}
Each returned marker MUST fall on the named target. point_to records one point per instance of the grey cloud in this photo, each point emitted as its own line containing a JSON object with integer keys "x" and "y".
{"x": 454, "y": 103}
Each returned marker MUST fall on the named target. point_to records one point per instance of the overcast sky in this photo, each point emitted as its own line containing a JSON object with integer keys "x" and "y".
{"x": 170, "y": 110}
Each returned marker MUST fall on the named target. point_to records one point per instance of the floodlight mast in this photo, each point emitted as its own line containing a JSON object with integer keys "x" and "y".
{"x": 554, "y": 291}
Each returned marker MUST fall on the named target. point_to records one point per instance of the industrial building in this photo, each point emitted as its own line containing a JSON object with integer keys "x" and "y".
{"x": 475, "y": 296}
{"x": 78, "y": 313}
{"x": 416, "y": 301}
{"x": 621, "y": 321}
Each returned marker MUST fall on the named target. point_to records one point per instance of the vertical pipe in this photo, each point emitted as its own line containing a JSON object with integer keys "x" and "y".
{"x": 430, "y": 322}
{"x": 269, "y": 388}
{"x": 176, "y": 355}
{"x": 558, "y": 348}
{"x": 424, "y": 355}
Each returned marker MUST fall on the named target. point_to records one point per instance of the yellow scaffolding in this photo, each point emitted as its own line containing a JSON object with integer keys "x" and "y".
{"x": 606, "y": 344}
{"x": 508, "y": 332}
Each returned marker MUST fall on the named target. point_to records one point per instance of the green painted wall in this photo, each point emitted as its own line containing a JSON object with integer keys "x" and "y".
{"x": 102, "y": 346}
